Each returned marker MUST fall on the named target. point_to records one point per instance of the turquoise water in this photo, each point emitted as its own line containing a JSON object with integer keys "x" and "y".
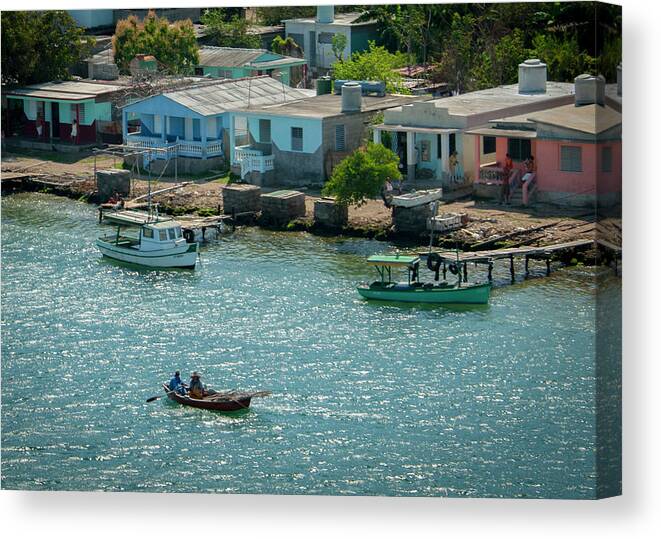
{"x": 368, "y": 398}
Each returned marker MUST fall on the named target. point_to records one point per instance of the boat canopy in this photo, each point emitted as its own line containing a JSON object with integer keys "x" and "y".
{"x": 393, "y": 261}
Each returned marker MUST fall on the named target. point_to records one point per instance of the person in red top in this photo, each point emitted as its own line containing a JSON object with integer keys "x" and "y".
{"x": 505, "y": 186}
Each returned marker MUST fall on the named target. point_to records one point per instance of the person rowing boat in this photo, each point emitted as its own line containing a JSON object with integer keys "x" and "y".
{"x": 177, "y": 384}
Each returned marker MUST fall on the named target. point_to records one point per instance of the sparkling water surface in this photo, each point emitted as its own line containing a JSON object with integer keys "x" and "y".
{"x": 368, "y": 398}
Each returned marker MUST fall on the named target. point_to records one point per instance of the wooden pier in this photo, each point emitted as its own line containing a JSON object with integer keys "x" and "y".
{"x": 457, "y": 262}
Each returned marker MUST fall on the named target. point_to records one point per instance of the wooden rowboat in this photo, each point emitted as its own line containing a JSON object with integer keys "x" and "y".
{"x": 222, "y": 402}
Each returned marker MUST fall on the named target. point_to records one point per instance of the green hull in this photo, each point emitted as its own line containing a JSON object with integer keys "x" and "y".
{"x": 469, "y": 293}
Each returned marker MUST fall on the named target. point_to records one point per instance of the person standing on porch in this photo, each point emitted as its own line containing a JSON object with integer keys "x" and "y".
{"x": 505, "y": 186}
{"x": 39, "y": 124}
{"x": 453, "y": 160}
{"x": 74, "y": 131}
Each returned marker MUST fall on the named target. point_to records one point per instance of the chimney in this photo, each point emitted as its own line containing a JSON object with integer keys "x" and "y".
{"x": 352, "y": 94}
{"x": 619, "y": 79}
{"x": 532, "y": 77}
{"x": 325, "y": 14}
{"x": 589, "y": 89}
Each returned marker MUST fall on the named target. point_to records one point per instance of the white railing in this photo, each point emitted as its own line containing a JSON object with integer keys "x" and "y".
{"x": 185, "y": 148}
{"x": 252, "y": 160}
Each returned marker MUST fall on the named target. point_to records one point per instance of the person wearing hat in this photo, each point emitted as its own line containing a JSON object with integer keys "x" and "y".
{"x": 176, "y": 384}
{"x": 195, "y": 387}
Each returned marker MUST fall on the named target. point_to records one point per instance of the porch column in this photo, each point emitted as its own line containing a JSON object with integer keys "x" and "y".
{"x": 125, "y": 126}
{"x": 478, "y": 157}
{"x": 203, "y": 136}
{"x": 232, "y": 141}
{"x": 188, "y": 128}
{"x": 445, "y": 152}
{"x": 411, "y": 155}
{"x": 164, "y": 127}
{"x": 377, "y": 136}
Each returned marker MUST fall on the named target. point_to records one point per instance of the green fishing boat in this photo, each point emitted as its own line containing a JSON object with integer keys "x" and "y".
{"x": 414, "y": 291}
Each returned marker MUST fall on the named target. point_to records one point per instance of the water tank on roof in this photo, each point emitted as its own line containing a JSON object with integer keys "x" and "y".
{"x": 351, "y": 97}
{"x": 532, "y": 77}
{"x": 589, "y": 89}
{"x": 324, "y": 86}
{"x": 325, "y": 14}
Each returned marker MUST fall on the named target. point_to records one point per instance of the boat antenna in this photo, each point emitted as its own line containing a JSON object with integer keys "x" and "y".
{"x": 456, "y": 250}
{"x": 434, "y": 208}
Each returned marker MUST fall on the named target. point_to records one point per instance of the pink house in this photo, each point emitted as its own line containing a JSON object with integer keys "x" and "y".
{"x": 577, "y": 150}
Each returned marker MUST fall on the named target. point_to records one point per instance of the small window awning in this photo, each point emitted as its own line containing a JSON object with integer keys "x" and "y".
{"x": 393, "y": 261}
{"x": 496, "y": 132}
{"x": 416, "y": 129}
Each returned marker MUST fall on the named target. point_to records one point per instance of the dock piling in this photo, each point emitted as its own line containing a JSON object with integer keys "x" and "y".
{"x": 512, "y": 267}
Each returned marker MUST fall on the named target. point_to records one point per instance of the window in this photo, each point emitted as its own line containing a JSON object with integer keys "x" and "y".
{"x": 147, "y": 233}
{"x": 81, "y": 113}
{"x": 607, "y": 159}
{"x": 177, "y": 232}
{"x": 439, "y": 147}
{"x": 163, "y": 235}
{"x": 171, "y": 233}
{"x": 519, "y": 148}
{"x": 453, "y": 143}
{"x": 265, "y": 131}
{"x": 297, "y": 139}
{"x": 488, "y": 145}
{"x": 196, "y": 129}
{"x": 339, "y": 138}
{"x": 325, "y": 37}
{"x": 199, "y": 71}
{"x": 570, "y": 158}
{"x": 425, "y": 146}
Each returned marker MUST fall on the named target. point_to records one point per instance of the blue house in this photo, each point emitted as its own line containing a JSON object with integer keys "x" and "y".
{"x": 194, "y": 122}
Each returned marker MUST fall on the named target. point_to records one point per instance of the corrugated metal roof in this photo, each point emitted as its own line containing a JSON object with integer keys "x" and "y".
{"x": 70, "y": 90}
{"x": 228, "y": 56}
{"x": 212, "y": 99}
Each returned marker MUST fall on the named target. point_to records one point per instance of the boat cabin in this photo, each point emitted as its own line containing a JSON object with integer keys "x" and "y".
{"x": 385, "y": 263}
{"x": 155, "y": 236}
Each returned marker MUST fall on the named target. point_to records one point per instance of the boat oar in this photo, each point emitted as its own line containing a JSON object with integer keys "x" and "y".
{"x": 152, "y": 399}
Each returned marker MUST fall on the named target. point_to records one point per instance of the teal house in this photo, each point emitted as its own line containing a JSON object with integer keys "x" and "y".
{"x": 46, "y": 113}
{"x": 195, "y": 120}
{"x": 234, "y": 63}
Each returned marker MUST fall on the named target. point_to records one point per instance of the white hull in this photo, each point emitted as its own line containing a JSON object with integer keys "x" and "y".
{"x": 184, "y": 256}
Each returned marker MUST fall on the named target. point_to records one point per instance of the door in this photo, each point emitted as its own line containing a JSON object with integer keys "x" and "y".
{"x": 401, "y": 149}
{"x": 55, "y": 119}
{"x": 313, "y": 49}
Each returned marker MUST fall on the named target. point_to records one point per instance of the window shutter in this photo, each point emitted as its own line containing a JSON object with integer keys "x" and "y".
{"x": 570, "y": 159}
{"x": 339, "y": 138}
{"x": 607, "y": 159}
{"x": 297, "y": 139}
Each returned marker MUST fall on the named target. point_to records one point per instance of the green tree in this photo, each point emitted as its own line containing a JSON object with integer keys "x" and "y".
{"x": 563, "y": 57}
{"x": 275, "y": 15}
{"x": 500, "y": 65}
{"x": 374, "y": 64}
{"x": 234, "y": 32}
{"x": 338, "y": 44}
{"x": 173, "y": 45}
{"x": 287, "y": 47}
{"x": 39, "y": 46}
{"x": 362, "y": 175}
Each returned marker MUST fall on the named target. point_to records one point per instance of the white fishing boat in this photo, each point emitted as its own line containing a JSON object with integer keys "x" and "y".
{"x": 159, "y": 244}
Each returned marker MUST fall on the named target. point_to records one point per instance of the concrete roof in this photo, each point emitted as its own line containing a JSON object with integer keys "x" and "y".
{"x": 340, "y": 19}
{"x": 501, "y": 97}
{"x": 231, "y": 94}
{"x": 66, "y": 90}
{"x": 328, "y": 105}
{"x": 592, "y": 119}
